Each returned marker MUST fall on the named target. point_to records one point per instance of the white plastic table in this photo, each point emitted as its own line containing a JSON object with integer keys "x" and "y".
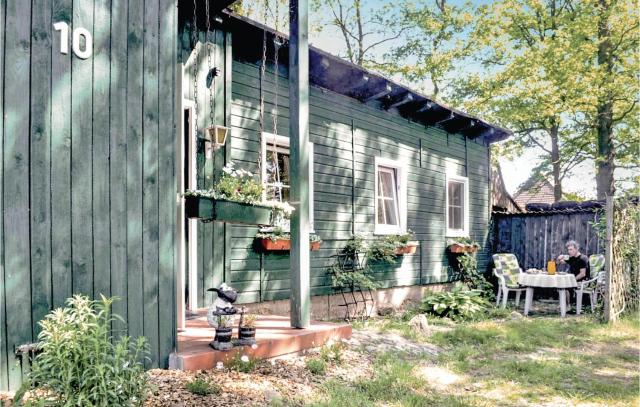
{"x": 558, "y": 281}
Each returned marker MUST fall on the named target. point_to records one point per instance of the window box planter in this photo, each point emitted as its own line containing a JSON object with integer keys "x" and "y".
{"x": 462, "y": 248}
{"x": 409, "y": 248}
{"x": 227, "y": 211}
{"x": 270, "y": 245}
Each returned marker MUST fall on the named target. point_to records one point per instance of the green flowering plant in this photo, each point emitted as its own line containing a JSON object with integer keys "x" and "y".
{"x": 278, "y": 233}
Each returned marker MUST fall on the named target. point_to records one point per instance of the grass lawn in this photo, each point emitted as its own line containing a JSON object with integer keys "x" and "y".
{"x": 532, "y": 361}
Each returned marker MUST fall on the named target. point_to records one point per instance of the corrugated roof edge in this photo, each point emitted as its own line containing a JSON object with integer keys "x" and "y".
{"x": 373, "y": 88}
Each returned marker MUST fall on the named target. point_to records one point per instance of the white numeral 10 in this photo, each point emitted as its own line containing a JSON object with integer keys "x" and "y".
{"x": 77, "y": 33}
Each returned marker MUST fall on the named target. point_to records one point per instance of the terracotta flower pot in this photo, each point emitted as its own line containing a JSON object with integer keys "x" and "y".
{"x": 284, "y": 244}
{"x": 410, "y": 248}
{"x": 462, "y": 248}
{"x": 274, "y": 245}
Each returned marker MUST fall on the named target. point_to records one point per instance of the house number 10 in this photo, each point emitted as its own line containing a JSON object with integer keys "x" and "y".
{"x": 75, "y": 44}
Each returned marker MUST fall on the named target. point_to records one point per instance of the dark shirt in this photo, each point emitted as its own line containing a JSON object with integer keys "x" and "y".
{"x": 577, "y": 263}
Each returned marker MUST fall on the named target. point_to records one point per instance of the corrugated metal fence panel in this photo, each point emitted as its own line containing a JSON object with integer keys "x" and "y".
{"x": 535, "y": 239}
{"x": 87, "y": 175}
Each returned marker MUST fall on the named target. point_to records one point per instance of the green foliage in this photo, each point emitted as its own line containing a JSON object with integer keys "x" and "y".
{"x": 383, "y": 250}
{"x": 80, "y": 362}
{"x": 236, "y": 185}
{"x": 278, "y": 233}
{"x": 352, "y": 278}
{"x": 243, "y": 363}
{"x": 457, "y": 304}
{"x": 468, "y": 265}
{"x": 354, "y": 246}
{"x": 332, "y": 353}
{"x": 202, "y": 387}
{"x": 316, "y": 366}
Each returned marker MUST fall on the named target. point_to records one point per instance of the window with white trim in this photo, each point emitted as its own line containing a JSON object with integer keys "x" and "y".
{"x": 457, "y": 206}
{"x": 276, "y": 170}
{"x": 390, "y": 197}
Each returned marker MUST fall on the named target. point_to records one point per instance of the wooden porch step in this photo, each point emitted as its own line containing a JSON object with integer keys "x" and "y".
{"x": 274, "y": 337}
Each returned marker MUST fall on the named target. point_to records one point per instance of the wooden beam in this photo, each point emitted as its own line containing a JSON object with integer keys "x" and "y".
{"x": 608, "y": 261}
{"x": 387, "y": 89}
{"x": 406, "y": 99}
{"x": 299, "y": 136}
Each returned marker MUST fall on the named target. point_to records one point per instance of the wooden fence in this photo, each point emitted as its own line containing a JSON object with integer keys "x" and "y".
{"x": 537, "y": 237}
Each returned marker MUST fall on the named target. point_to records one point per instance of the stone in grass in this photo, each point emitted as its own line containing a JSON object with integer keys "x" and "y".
{"x": 515, "y": 315}
{"x": 419, "y": 323}
{"x": 386, "y": 310}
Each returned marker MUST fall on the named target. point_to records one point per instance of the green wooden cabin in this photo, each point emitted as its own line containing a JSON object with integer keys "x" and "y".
{"x": 98, "y": 144}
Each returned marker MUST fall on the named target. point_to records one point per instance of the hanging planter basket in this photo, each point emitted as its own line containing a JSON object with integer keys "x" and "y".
{"x": 226, "y": 211}
{"x": 271, "y": 245}
{"x": 462, "y": 248}
{"x": 410, "y": 248}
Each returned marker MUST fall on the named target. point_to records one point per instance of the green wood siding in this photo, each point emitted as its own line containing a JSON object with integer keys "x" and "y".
{"x": 347, "y": 136}
{"x": 88, "y": 186}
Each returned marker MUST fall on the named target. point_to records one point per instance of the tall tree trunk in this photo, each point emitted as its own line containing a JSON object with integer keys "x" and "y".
{"x": 555, "y": 163}
{"x": 605, "y": 154}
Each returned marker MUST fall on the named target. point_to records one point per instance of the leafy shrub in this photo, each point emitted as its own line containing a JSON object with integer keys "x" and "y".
{"x": 354, "y": 245}
{"x": 316, "y": 366}
{"x": 457, "y": 304}
{"x": 469, "y": 267}
{"x": 352, "y": 278}
{"x": 203, "y": 387}
{"x": 383, "y": 250}
{"x": 80, "y": 363}
{"x": 243, "y": 363}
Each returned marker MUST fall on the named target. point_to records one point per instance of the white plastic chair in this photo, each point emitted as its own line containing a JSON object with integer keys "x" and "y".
{"x": 506, "y": 269}
{"x": 593, "y": 286}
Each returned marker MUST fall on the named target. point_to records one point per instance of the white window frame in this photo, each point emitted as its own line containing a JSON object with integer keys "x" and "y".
{"x": 401, "y": 191}
{"x": 465, "y": 207}
{"x": 284, "y": 142}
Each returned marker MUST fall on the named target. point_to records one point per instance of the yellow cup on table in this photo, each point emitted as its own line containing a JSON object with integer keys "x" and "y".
{"x": 551, "y": 267}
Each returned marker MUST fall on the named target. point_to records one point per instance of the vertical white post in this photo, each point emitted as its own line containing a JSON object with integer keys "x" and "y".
{"x": 299, "y": 148}
{"x": 608, "y": 261}
{"x": 180, "y": 232}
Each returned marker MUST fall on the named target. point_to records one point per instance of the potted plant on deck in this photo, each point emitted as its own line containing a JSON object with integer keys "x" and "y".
{"x": 247, "y": 330}
{"x": 224, "y": 332}
{"x": 277, "y": 239}
{"x": 235, "y": 198}
{"x": 462, "y": 245}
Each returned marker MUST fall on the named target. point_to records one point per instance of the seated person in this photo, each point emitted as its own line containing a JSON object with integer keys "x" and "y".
{"x": 578, "y": 262}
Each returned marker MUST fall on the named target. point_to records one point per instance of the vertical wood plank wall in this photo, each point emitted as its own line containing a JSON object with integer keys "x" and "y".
{"x": 535, "y": 239}
{"x": 88, "y": 185}
{"x": 343, "y": 174}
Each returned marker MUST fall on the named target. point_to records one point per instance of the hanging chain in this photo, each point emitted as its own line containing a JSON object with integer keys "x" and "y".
{"x": 195, "y": 67}
{"x": 210, "y": 66}
{"x": 262, "y": 72}
{"x": 276, "y": 50}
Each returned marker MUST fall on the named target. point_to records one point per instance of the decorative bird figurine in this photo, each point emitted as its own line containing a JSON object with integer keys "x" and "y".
{"x": 223, "y": 304}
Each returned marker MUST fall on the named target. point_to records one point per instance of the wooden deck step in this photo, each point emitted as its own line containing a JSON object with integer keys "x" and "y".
{"x": 274, "y": 337}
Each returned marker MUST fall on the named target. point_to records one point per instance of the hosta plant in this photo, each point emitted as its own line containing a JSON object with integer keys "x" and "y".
{"x": 458, "y": 304}
{"x": 81, "y": 363}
